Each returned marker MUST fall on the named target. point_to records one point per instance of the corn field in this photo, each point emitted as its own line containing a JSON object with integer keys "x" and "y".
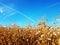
{"x": 39, "y": 35}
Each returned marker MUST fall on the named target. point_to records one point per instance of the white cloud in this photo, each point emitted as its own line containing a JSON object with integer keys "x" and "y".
{"x": 1, "y": 10}
{"x": 57, "y": 19}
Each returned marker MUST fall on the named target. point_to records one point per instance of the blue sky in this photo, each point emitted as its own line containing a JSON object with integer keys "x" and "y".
{"x": 28, "y": 11}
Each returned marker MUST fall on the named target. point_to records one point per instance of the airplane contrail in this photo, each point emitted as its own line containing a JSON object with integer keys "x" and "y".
{"x": 53, "y": 5}
{"x": 18, "y": 12}
{"x": 9, "y": 15}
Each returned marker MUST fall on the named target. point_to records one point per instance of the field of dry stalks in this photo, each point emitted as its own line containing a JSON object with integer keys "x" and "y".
{"x": 40, "y": 35}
